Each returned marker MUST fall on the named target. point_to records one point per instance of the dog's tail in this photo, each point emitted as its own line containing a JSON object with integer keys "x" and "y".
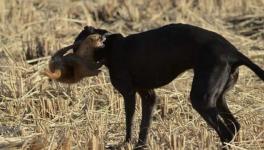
{"x": 243, "y": 60}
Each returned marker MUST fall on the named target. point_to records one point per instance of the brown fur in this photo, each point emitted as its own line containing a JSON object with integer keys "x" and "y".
{"x": 73, "y": 67}
{"x": 85, "y": 50}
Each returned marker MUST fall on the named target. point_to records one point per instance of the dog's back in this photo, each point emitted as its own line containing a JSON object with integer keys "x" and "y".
{"x": 156, "y": 57}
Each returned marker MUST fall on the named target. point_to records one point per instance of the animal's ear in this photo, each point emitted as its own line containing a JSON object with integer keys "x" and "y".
{"x": 115, "y": 36}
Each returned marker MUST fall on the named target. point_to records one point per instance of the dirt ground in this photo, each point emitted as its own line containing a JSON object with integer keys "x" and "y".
{"x": 36, "y": 113}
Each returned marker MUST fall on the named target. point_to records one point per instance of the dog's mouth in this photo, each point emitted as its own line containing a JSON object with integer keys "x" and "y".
{"x": 103, "y": 38}
{"x": 101, "y": 43}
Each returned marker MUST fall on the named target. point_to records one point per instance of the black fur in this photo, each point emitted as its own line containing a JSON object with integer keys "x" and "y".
{"x": 145, "y": 61}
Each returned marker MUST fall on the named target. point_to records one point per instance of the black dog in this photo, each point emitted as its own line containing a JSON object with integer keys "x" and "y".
{"x": 145, "y": 61}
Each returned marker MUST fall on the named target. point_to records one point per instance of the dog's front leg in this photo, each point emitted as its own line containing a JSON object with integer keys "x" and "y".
{"x": 123, "y": 85}
{"x": 129, "y": 100}
{"x": 148, "y": 100}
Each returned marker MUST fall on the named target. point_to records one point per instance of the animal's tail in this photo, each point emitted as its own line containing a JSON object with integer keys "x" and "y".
{"x": 243, "y": 60}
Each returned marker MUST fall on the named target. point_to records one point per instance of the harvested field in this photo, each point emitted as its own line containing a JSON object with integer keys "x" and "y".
{"x": 36, "y": 113}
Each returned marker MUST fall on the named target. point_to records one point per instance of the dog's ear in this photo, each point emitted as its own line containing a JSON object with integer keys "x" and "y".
{"x": 114, "y": 37}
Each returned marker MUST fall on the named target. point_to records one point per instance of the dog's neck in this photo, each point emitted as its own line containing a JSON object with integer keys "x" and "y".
{"x": 102, "y": 54}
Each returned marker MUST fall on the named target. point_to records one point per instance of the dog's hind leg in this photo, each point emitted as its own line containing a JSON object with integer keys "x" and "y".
{"x": 225, "y": 113}
{"x": 208, "y": 84}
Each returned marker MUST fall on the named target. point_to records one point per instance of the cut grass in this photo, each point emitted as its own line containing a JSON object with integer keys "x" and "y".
{"x": 90, "y": 114}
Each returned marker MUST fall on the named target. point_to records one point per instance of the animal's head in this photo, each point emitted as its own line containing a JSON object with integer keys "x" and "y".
{"x": 87, "y": 48}
{"x": 94, "y": 41}
{"x": 88, "y": 30}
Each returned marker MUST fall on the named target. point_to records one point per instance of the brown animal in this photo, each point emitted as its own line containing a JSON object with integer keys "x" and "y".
{"x": 72, "y": 67}
{"x": 87, "y": 47}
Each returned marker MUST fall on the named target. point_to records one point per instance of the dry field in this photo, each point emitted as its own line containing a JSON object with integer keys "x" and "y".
{"x": 39, "y": 114}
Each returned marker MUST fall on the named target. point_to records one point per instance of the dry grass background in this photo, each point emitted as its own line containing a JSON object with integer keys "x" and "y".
{"x": 38, "y": 114}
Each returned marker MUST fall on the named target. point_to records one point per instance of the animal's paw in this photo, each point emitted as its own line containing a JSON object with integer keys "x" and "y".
{"x": 124, "y": 145}
{"x": 51, "y": 75}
